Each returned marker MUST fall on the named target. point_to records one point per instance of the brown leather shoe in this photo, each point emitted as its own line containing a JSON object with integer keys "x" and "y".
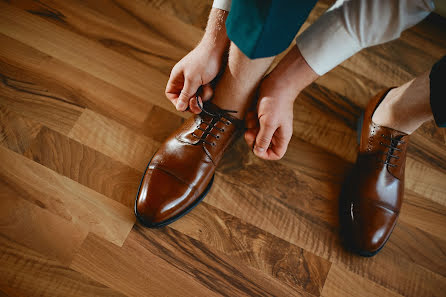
{"x": 372, "y": 195}
{"x": 181, "y": 172}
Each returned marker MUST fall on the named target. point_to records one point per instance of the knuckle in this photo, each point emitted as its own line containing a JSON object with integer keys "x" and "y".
{"x": 185, "y": 94}
{"x": 262, "y": 141}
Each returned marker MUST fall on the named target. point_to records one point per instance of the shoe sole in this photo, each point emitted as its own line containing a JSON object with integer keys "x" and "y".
{"x": 177, "y": 216}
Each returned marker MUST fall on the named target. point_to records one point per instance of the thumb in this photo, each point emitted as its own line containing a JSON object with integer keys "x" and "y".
{"x": 190, "y": 87}
{"x": 263, "y": 139}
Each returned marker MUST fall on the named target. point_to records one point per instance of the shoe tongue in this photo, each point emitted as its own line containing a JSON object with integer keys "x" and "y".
{"x": 212, "y": 108}
{"x": 395, "y": 134}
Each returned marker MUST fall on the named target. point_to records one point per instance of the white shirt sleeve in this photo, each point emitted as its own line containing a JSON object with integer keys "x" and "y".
{"x": 222, "y": 4}
{"x": 351, "y": 25}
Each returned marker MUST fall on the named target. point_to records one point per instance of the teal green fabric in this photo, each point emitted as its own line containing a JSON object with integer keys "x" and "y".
{"x": 265, "y": 28}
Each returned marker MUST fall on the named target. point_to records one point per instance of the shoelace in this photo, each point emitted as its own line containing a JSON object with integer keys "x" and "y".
{"x": 392, "y": 147}
{"x": 216, "y": 117}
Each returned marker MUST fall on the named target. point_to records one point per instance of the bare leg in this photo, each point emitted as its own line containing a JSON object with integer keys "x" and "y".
{"x": 236, "y": 89}
{"x": 407, "y": 107}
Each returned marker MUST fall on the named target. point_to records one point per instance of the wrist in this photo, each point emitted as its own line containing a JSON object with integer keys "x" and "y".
{"x": 293, "y": 73}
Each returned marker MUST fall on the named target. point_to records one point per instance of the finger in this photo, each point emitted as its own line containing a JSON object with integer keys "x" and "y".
{"x": 263, "y": 139}
{"x": 193, "y": 105}
{"x": 174, "y": 85}
{"x": 250, "y": 136}
{"x": 189, "y": 89}
{"x": 279, "y": 143}
{"x": 208, "y": 92}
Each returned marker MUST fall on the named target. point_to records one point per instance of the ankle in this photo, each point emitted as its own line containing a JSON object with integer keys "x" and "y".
{"x": 394, "y": 112}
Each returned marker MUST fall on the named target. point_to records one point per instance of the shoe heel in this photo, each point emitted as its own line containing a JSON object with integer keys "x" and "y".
{"x": 359, "y": 127}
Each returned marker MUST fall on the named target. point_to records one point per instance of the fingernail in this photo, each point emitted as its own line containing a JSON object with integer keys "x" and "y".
{"x": 259, "y": 149}
{"x": 181, "y": 105}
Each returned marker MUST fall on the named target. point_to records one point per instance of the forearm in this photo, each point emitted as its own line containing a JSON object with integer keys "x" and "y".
{"x": 215, "y": 37}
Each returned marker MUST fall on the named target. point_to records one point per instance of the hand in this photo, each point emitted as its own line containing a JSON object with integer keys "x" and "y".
{"x": 198, "y": 68}
{"x": 270, "y": 127}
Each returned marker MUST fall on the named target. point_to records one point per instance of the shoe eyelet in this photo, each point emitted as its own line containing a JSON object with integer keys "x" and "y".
{"x": 218, "y": 137}
{"x": 213, "y": 144}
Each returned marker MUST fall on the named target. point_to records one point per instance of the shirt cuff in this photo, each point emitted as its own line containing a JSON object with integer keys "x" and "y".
{"x": 222, "y": 4}
{"x": 327, "y": 43}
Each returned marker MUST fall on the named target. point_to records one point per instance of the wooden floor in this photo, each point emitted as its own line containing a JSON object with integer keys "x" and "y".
{"x": 82, "y": 110}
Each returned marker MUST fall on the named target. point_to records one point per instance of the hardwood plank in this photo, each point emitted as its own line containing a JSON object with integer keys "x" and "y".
{"x": 226, "y": 277}
{"x": 420, "y": 247}
{"x": 6, "y": 291}
{"x": 37, "y": 228}
{"x": 29, "y": 98}
{"x": 85, "y": 166}
{"x": 341, "y": 282}
{"x": 75, "y": 86}
{"x": 424, "y": 214}
{"x": 255, "y": 248}
{"x": 86, "y": 55}
{"x": 428, "y": 145}
{"x": 23, "y": 272}
{"x": 312, "y": 161}
{"x": 66, "y": 198}
{"x": 134, "y": 270}
{"x": 160, "y": 123}
{"x": 16, "y": 132}
{"x": 137, "y": 37}
{"x": 315, "y": 123}
{"x": 426, "y": 181}
{"x": 114, "y": 140}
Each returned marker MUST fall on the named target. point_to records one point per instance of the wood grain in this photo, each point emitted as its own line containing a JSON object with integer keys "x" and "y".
{"x": 341, "y": 282}
{"x": 75, "y": 86}
{"x": 114, "y": 140}
{"x": 16, "y": 132}
{"x": 133, "y": 270}
{"x": 37, "y": 228}
{"x": 66, "y": 198}
{"x": 255, "y": 247}
{"x": 26, "y": 273}
{"x": 114, "y": 68}
{"x": 271, "y": 214}
{"x": 226, "y": 276}
{"x": 86, "y": 166}
{"x": 29, "y": 98}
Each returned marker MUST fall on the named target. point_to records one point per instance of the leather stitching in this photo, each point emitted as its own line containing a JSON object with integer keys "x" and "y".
{"x": 167, "y": 171}
{"x": 382, "y": 205}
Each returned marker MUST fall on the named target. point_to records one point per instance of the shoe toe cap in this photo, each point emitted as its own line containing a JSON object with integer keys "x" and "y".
{"x": 369, "y": 227}
{"x": 161, "y": 197}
